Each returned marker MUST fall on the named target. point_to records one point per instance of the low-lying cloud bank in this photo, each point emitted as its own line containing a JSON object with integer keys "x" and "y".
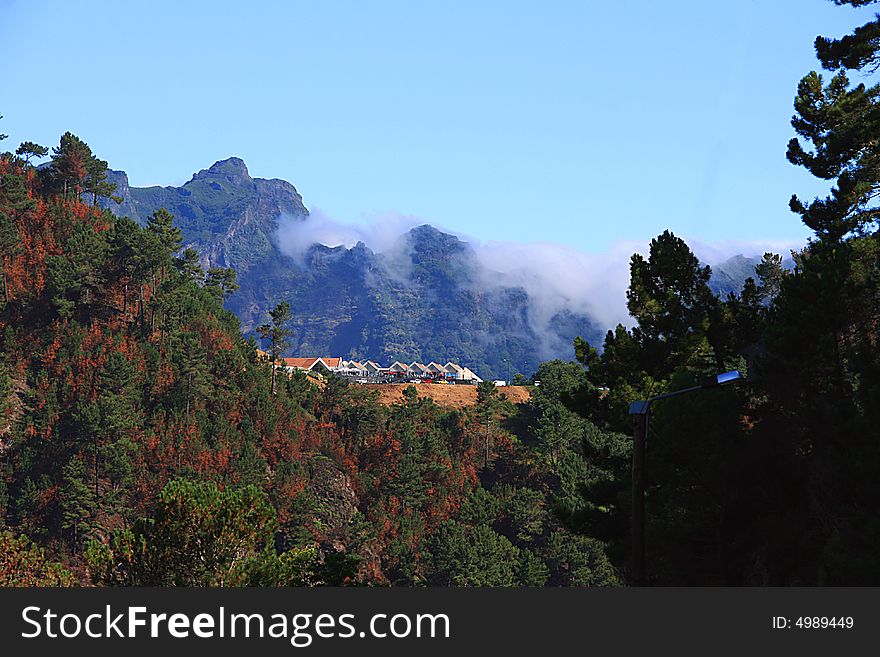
{"x": 559, "y": 277}
{"x": 556, "y": 277}
{"x": 296, "y": 235}
{"x": 714, "y": 253}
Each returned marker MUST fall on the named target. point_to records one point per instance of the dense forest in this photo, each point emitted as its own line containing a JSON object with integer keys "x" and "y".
{"x": 145, "y": 442}
{"x": 145, "y": 435}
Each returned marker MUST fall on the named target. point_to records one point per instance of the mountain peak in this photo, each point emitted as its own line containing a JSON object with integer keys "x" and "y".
{"x": 426, "y": 239}
{"x": 426, "y": 230}
{"x": 232, "y": 169}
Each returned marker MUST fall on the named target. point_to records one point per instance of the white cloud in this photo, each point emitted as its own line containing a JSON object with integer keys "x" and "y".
{"x": 555, "y": 276}
{"x": 296, "y": 235}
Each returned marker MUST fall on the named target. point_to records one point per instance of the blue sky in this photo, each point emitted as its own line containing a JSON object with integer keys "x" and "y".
{"x": 582, "y": 123}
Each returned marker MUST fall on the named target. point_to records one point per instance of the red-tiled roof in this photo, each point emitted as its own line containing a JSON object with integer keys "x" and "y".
{"x": 309, "y": 363}
{"x": 301, "y": 363}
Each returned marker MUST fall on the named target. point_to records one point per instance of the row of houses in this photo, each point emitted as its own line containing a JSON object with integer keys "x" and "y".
{"x": 415, "y": 371}
{"x": 371, "y": 372}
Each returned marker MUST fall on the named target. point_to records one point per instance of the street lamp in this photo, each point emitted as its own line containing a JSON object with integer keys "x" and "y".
{"x": 641, "y": 410}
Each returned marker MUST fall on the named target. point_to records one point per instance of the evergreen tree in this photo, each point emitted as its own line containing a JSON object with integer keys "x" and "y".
{"x": 770, "y": 274}
{"x": 558, "y": 430}
{"x": 579, "y": 561}
{"x": 221, "y": 283}
{"x": 188, "y": 265}
{"x": 278, "y": 335}
{"x": 78, "y": 504}
{"x": 5, "y": 401}
{"x": 29, "y": 149}
{"x": 473, "y": 556}
{"x": 532, "y": 570}
{"x": 491, "y": 407}
{"x": 838, "y": 123}
{"x": 96, "y": 182}
{"x": 193, "y": 366}
{"x": 71, "y": 161}
{"x": 76, "y": 277}
{"x": 669, "y": 297}
{"x": 132, "y": 252}
{"x": 161, "y": 226}
{"x": 198, "y": 536}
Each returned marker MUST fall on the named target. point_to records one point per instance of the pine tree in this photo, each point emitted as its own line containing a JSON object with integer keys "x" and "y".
{"x": 277, "y": 334}
{"x": 193, "y": 368}
{"x": 558, "y": 430}
{"x": 221, "y": 283}
{"x": 188, "y": 265}
{"x": 131, "y": 252}
{"x": 71, "y": 160}
{"x": 770, "y": 273}
{"x": 167, "y": 239}
{"x": 473, "y": 556}
{"x": 78, "y": 503}
{"x": 579, "y": 561}
{"x": 161, "y": 226}
{"x": 838, "y": 124}
{"x": 96, "y": 181}
{"x": 669, "y": 297}
{"x": 199, "y": 535}
{"x": 76, "y": 278}
{"x": 29, "y": 149}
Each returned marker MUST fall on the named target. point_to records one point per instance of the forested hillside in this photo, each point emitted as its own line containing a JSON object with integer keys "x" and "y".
{"x": 142, "y": 435}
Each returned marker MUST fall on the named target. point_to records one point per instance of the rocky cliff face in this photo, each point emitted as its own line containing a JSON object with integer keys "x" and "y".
{"x": 223, "y": 212}
{"x": 230, "y": 219}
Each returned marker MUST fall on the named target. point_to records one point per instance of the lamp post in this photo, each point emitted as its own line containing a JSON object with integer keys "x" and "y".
{"x": 641, "y": 409}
